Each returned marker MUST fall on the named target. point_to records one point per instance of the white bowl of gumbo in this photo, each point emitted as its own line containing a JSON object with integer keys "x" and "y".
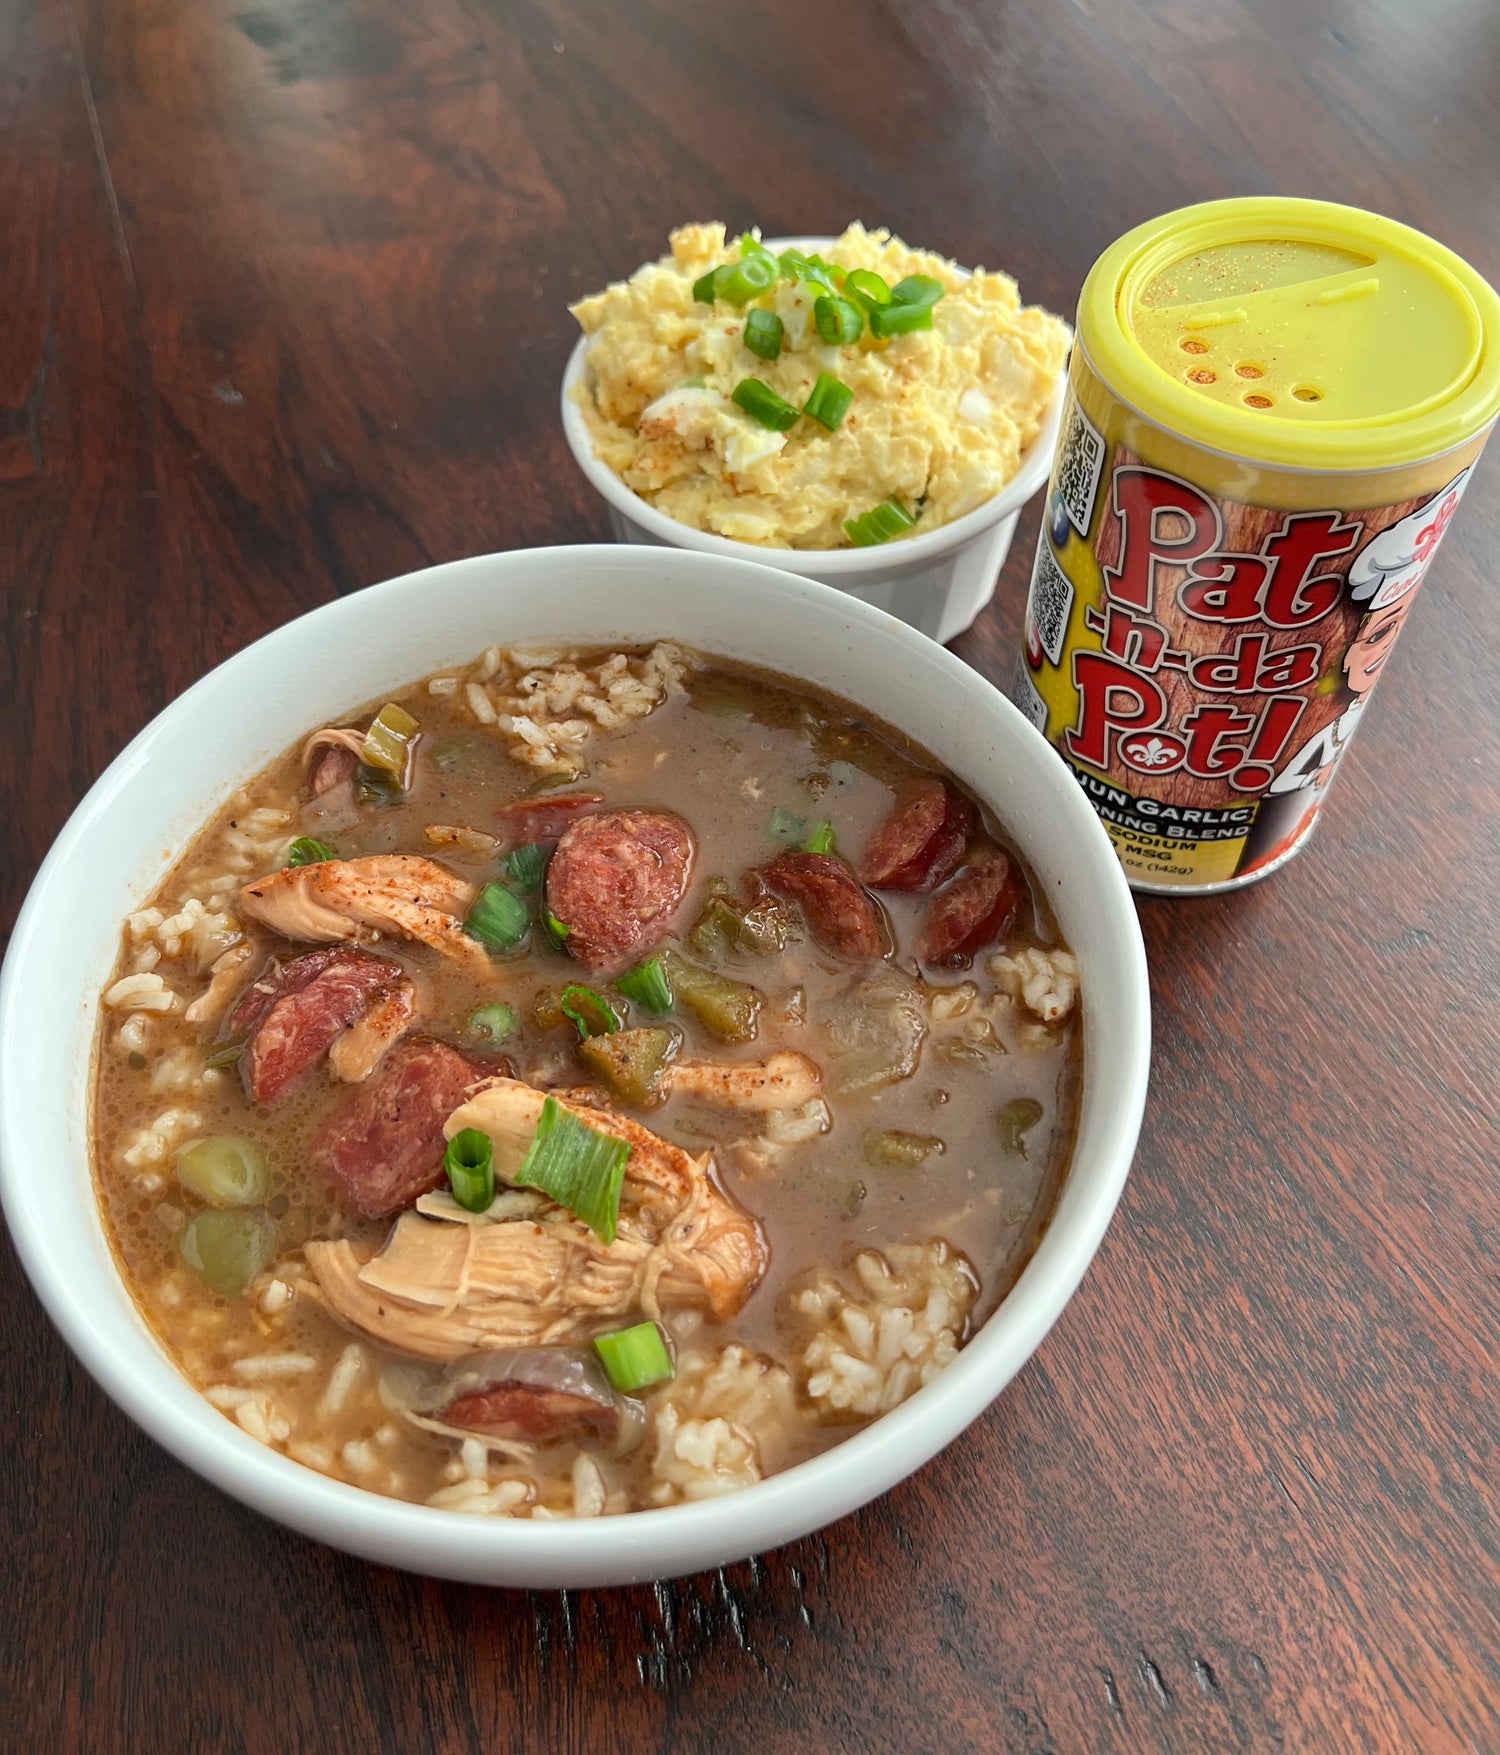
{"x": 595, "y": 1087}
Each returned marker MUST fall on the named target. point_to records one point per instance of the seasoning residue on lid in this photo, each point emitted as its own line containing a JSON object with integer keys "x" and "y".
{"x": 1297, "y": 332}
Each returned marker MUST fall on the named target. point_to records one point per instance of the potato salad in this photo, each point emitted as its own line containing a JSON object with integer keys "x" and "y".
{"x": 814, "y": 401}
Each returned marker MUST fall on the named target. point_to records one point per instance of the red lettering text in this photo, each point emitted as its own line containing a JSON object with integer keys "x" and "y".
{"x": 1161, "y": 519}
{"x": 1209, "y": 753}
{"x": 1225, "y": 588}
{"x": 1247, "y": 669}
{"x": 1292, "y": 598}
{"x": 1111, "y": 698}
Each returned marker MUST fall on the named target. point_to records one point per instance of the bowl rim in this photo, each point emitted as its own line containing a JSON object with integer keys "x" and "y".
{"x": 856, "y": 564}
{"x": 643, "y": 1544}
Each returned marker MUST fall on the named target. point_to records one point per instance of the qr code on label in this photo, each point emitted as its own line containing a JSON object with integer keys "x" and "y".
{"x": 1023, "y": 693}
{"x": 1051, "y": 600}
{"x": 1079, "y": 461}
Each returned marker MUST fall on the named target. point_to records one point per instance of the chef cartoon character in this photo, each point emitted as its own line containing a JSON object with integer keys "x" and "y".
{"x": 1384, "y": 577}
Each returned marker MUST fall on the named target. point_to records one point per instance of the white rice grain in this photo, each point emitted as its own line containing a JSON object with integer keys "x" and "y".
{"x": 227, "y": 1396}
{"x": 588, "y": 1487}
{"x": 314, "y": 1456}
{"x": 275, "y": 1298}
{"x": 262, "y": 1367}
{"x": 146, "y": 992}
{"x": 476, "y": 1459}
{"x": 480, "y": 704}
{"x": 477, "y": 1499}
{"x": 341, "y": 1379}
{"x": 357, "y": 1455}
{"x": 251, "y": 1416}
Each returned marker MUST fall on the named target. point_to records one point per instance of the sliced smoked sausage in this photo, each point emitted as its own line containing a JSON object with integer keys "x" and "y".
{"x": 842, "y": 915}
{"x": 383, "y": 1146}
{"x": 616, "y": 880}
{"x": 332, "y": 765}
{"x": 292, "y": 1011}
{"x": 527, "y": 1413}
{"x": 922, "y": 841}
{"x": 974, "y": 910}
{"x": 543, "y": 819}
{"x": 535, "y": 1395}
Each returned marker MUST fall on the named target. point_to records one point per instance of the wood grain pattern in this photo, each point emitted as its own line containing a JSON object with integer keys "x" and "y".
{"x": 283, "y": 294}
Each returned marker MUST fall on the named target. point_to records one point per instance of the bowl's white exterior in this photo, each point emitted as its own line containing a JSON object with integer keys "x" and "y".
{"x": 123, "y": 836}
{"x": 937, "y": 582}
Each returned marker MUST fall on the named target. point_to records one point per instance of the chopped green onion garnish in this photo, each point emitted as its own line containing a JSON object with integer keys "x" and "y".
{"x": 225, "y": 1171}
{"x": 705, "y": 287}
{"x": 469, "y": 1164}
{"x": 786, "y": 827}
{"x": 879, "y": 524}
{"x": 796, "y": 266}
{"x": 224, "y": 1054}
{"x": 228, "y": 1249}
{"x": 750, "y": 245}
{"x": 452, "y": 753}
{"x": 763, "y": 334}
{"x": 1015, "y": 1120}
{"x": 647, "y": 985}
{"x": 829, "y": 402}
{"x": 894, "y": 319}
{"x": 762, "y": 404}
{"x": 581, "y": 1168}
{"x": 375, "y": 786}
{"x": 838, "y": 322}
{"x": 866, "y": 288}
{"x": 634, "y": 1357}
{"x": 526, "y": 866}
{"x": 492, "y": 1023}
{"x": 305, "y": 851}
{"x": 820, "y": 840}
{"x": 590, "y": 1011}
{"x": 498, "y": 919}
{"x": 693, "y": 383}
{"x": 741, "y": 281}
{"x": 918, "y": 289}
{"x": 388, "y": 742}
{"x": 554, "y": 929}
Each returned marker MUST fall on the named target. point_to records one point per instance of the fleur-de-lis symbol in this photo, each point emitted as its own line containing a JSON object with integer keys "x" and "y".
{"x": 1153, "y": 753}
{"x": 1428, "y": 539}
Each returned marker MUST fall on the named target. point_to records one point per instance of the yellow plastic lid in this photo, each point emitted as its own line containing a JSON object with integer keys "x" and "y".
{"x": 1294, "y": 332}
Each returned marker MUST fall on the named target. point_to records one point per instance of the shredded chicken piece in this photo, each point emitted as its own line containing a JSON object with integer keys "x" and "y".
{"x": 226, "y": 971}
{"x": 343, "y": 737}
{"x": 785, "y": 1080}
{"x": 439, "y": 1289}
{"x": 357, "y": 1052}
{"x": 462, "y": 842}
{"x": 339, "y": 900}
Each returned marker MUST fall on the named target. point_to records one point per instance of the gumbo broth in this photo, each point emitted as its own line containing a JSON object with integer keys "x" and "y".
{"x": 843, "y": 1054}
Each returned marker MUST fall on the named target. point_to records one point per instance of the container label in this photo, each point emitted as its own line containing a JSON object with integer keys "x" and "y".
{"x": 1200, "y": 662}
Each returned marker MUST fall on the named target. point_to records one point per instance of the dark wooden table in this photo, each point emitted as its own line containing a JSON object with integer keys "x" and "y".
{"x": 281, "y": 313}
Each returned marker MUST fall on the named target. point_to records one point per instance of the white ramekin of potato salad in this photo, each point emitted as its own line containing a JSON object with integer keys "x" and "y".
{"x": 849, "y": 409}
